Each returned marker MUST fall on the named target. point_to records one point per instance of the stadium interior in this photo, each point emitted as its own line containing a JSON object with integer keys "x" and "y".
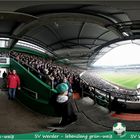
{"x": 45, "y": 41}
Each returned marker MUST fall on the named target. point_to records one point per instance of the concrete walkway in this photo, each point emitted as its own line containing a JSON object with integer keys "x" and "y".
{"x": 94, "y": 118}
{"x": 17, "y": 118}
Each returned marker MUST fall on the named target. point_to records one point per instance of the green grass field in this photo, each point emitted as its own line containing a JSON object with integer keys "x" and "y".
{"x": 127, "y": 80}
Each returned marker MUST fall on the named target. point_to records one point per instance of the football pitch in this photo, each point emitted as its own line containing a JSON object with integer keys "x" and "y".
{"x": 126, "y": 80}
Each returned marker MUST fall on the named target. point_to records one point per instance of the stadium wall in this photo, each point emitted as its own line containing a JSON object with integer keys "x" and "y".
{"x": 44, "y": 91}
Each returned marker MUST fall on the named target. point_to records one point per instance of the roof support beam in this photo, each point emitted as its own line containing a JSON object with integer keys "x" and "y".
{"x": 73, "y": 39}
{"x": 82, "y": 27}
{"x": 99, "y": 19}
{"x": 21, "y": 18}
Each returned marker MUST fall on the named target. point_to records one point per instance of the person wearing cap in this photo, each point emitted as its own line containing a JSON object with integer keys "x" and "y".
{"x": 65, "y": 106}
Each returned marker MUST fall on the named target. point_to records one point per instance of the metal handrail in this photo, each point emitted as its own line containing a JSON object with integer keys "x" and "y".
{"x": 51, "y": 81}
{"x": 36, "y": 94}
{"x": 27, "y": 65}
{"x": 104, "y": 92}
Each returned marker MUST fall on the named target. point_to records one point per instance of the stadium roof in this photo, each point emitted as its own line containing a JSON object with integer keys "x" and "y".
{"x": 79, "y": 31}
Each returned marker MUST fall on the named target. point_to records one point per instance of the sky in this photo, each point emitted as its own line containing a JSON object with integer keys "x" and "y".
{"x": 123, "y": 55}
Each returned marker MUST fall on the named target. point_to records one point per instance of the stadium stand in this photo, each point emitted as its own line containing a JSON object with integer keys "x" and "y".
{"x": 89, "y": 83}
{"x": 103, "y": 87}
{"x": 48, "y": 70}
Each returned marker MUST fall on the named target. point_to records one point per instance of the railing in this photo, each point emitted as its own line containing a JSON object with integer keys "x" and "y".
{"x": 35, "y": 72}
{"x": 95, "y": 92}
{"x": 33, "y": 93}
{"x": 109, "y": 95}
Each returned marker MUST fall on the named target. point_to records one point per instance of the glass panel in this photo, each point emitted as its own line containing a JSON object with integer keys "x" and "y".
{"x": 124, "y": 42}
{"x": 136, "y": 41}
{"x": 113, "y": 45}
{"x": 4, "y": 42}
{"x": 30, "y": 45}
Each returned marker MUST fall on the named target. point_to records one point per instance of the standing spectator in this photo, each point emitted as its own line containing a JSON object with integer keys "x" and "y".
{"x": 70, "y": 91}
{"x": 117, "y": 106}
{"x": 138, "y": 94}
{"x": 4, "y": 75}
{"x": 13, "y": 82}
{"x": 65, "y": 106}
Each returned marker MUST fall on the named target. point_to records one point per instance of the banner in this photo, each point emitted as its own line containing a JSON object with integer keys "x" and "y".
{"x": 71, "y": 136}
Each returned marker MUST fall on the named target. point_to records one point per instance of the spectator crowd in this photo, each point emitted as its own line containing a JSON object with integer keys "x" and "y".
{"x": 49, "y": 71}
{"x": 95, "y": 80}
{"x": 55, "y": 73}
